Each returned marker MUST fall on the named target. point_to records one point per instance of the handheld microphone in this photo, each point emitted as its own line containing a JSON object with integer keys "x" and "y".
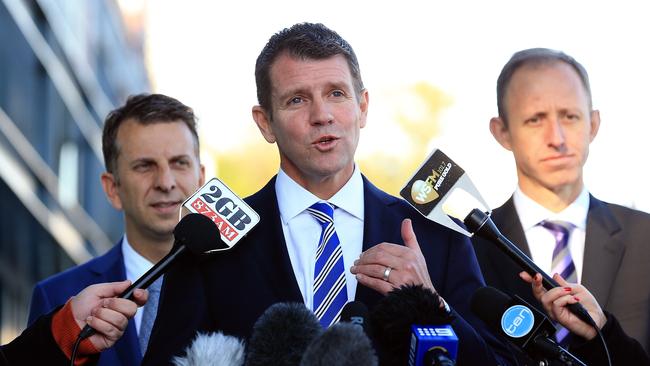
{"x": 433, "y": 345}
{"x": 440, "y": 178}
{"x": 342, "y": 344}
{"x": 392, "y": 319}
{"x": 282, "y": 334}
{"x": 355, "y": 312}
{"x": 521, "y": 324}
{"x": 482, "y": 225}
{"x": 196, "y": 233}
{"x": 214, "y": 349}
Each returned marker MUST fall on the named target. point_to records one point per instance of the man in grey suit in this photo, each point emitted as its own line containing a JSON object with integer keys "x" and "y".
{"x": 546, "y": 119}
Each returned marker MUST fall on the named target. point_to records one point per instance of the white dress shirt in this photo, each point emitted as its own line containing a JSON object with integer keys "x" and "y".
{"x": 135, "y": 265}
{"x": 541, "y": 241}
{"x": 302, "y": 231}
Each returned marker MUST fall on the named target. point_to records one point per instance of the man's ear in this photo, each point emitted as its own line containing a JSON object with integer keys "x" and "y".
{"x": 109, "y": 183}
{"x": 364, "y": 100}
{"x": 263, "y": 121}
{"x": 499, "y": 130}
{"x": 595, "y": 124}
{"x": 201, "y": 175}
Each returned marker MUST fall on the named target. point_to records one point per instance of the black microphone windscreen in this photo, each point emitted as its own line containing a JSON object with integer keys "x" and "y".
{"x": 342, "y": 344}
{"x": 355, "y": 312}
{"x": 489, "y": 303}
{"x": 198, "y": 233}
{"x": 281, "y": 335}
{"x": 392, "y": 317}
{"x": 214, "y": 349}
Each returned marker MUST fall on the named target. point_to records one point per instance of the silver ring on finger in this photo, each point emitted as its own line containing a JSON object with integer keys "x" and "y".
{"x": 387, "y": 273}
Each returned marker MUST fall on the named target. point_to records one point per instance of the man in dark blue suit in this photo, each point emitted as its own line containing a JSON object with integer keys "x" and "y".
{"x": 325, "y": 230}
{"x": 151, "y": 152}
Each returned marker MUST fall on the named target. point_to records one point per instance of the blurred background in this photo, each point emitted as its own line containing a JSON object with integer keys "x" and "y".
{"x": 430, "y": 67}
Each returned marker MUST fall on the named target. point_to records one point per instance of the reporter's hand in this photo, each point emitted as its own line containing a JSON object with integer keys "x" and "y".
{"x": 555, "y": 301}
{"x": 406, "y": 263}
{"x": 97, "y": 306}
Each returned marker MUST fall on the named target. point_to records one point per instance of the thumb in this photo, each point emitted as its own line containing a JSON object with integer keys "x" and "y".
{"x": 408, "y": 235}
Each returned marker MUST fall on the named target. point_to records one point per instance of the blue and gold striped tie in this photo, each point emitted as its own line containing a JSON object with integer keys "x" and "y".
{"x": 330, "y": 290}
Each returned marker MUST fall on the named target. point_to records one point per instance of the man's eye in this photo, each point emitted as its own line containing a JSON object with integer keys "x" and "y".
{"x": 141, "y": 167}
{"x": 532, "y": 120}
{"x": 295, "y": 100}
{"x": 182, "y": 162}
{"x": 338, "y": 93}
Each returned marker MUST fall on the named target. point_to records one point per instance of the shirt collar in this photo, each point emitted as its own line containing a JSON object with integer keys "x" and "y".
{"x": 133, "y": 261}
{"x": 293, "y": 199}
{"x": 532, "y": 213}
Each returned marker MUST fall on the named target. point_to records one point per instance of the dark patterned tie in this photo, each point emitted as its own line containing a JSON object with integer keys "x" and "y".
{"x": 330, "y": 290}
{"x": 149, "y": 314}
{"x": 562, "y": 261}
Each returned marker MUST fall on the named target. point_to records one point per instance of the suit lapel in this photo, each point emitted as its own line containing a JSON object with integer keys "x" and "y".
{"x": 272, "y": 255}
{"x": 507, "y": 220}
{"x": 603, "y": 250}
{"x": 378, "y": 227}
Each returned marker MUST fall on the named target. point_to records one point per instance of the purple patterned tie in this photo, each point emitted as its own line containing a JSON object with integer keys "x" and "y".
{"x": 562, "y": 261}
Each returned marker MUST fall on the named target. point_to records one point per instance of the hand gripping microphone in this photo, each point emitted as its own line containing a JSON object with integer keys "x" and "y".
{"x": 196, "y": 233}
{"x": 480, "y": 223}
{"x": 439, "y": 179}
{"x": 522, "y": 325}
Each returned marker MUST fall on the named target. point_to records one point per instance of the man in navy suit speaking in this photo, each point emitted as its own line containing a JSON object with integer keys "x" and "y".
{"x": 327, "y": 236}
{"x": 151, "y": 153}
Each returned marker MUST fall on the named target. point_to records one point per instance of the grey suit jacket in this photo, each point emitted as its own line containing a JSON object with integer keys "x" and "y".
{"x": 616, "y": 262}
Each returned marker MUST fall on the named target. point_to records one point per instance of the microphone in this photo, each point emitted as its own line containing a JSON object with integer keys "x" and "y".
{"x": 355, "y": 312}
{"x": 521, "y": 324}
{"x": 392, "y": 319}
{"x": 437, "y": 345}
{"x": 196, "y": 233}
{"x": 281, "y": 335}
{"x": 213, "y": 349}
{"x": 482, "y": 225}
{"x": 438, "y": 179}
{"x": 342, "y": 344}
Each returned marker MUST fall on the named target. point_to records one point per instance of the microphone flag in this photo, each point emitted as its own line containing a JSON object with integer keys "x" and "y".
{"x": 433, "y": 184}
{"x": 234, "y": 217}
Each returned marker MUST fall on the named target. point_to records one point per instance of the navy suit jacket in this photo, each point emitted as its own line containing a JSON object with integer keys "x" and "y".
{"x": 56, "y": 290}
{"x": 616, "y": 262}
{"x": 229, "y": 291}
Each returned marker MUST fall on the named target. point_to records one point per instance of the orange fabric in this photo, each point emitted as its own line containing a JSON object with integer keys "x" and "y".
{"x": 65, "y": 331}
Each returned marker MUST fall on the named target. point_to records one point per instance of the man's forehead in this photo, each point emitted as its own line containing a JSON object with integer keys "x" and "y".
{"x": 288, "y": 70}
{"x": 144, "y": 139}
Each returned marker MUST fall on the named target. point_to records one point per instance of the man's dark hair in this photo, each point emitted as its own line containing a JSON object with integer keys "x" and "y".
{"x": 144, "y": 109}
{"x": 535, "y": 57}
{"x": 302, "y": 41}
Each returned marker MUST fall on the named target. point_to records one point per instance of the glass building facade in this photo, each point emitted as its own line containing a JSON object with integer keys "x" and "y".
{"x": 63, "y": 66}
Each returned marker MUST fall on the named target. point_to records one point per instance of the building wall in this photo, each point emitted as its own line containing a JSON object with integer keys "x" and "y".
{"x": 63, "y": 66}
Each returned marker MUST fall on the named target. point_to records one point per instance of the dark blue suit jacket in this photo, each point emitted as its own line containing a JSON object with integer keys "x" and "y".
{"x": 56, "y": 290}
{"x": 229, "y": 291}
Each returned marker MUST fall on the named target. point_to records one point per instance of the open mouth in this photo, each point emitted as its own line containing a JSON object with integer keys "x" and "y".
{"x": 325, "y": 140}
